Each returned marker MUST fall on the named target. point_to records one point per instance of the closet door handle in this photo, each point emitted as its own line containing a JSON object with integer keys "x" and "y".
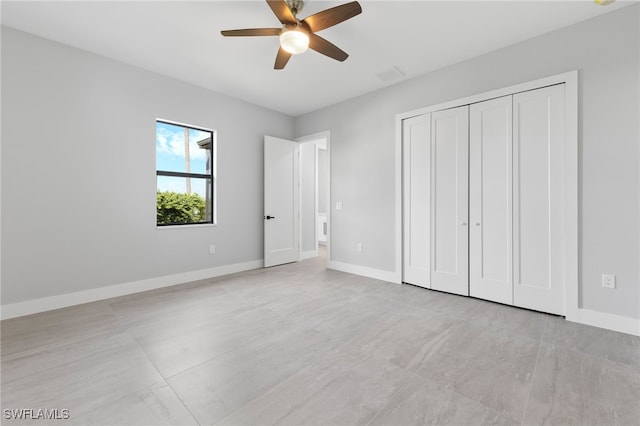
{"x": 463, "y": 223}
{"x": 477, "y": 223}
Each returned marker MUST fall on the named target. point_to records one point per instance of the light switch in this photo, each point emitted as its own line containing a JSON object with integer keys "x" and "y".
{"x": 338, "y": 205}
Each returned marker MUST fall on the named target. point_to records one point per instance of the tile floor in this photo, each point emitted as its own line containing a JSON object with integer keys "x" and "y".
{"x": 300, "y": 345}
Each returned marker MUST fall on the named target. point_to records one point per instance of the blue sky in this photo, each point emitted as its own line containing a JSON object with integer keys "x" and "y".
{"x": 170, "y": 156}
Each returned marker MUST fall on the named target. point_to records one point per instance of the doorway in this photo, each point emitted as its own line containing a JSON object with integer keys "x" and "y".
{"x": 315, "y": 196}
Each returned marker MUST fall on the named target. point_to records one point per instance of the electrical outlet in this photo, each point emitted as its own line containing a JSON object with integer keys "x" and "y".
{"x": 608, "y": 281}
{"x": 359, "y": 247}
{"x": 212, "y": 249}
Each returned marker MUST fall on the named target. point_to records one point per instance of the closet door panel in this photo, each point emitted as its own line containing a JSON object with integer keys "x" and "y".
{"x": 449, "y": 200}
{"x": 538, "y": 207}
{"x": 416, "y": 134}
{"x": 490, "y": 209}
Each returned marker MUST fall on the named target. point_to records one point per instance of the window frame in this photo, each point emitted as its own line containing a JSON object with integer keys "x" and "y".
{"x": 210, "y": 176}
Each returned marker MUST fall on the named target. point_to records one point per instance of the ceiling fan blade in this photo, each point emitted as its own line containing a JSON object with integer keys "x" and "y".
{"x": 330, "y": 17}
{"x": 252, "y": 32}
{"x": 282, "y": 11}
{"x": 281, "y": 59}
{"x": 327, "y": 48}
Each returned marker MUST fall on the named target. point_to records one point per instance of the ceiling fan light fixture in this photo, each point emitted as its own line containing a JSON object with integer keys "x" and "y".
{"x": 294, "y": 41}
{"x": 296, "y": 35}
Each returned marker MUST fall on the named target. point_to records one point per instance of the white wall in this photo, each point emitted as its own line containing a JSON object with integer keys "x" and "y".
{"x": 605, "y": 50}
{"x": 78, "y": 172}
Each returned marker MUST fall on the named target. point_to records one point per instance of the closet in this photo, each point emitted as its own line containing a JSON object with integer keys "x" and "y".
{"x": 482, "y": 197}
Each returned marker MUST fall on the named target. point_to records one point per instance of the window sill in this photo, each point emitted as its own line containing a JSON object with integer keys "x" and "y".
{"x": 195, "y": 225}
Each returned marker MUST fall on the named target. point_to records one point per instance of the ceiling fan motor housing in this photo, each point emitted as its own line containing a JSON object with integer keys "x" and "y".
{"x": 295, "y": 6}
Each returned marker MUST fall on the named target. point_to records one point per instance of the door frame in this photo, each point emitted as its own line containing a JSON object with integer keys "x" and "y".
{"x": 571, "y": 218}
{"x": 324, "y": 138}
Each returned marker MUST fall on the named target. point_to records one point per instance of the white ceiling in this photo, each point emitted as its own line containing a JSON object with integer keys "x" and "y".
{"x": 182, "y": 39}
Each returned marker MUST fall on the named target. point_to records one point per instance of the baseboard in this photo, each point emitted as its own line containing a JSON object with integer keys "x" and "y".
{"x": 609, "y": 321}
{"x": 308, "y": 254}
{"x": 34, "y": 306}
{"x": 365, "y": 271}
{"x": 584, "y": 316}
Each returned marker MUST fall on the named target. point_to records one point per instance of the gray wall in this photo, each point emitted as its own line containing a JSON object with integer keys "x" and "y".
{"x": 78, "y": 161}
{"x": 78, "y": 172}
{"x": 605, "y": 51}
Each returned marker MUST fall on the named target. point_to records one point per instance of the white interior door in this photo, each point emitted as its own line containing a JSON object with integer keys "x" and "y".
{"x": 449, "y": 200}
{"x": 416, "y": 134}
{"x": 281, "y": 197}
{"x": 538, "y": 152}
{"x": 490, "y": 200}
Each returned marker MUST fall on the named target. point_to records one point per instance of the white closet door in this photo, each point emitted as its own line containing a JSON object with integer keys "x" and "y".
{"x": 449, "y": 200}
{"x": 538, "y": 153}
{"x": 416, "y": 132}
{"x": 490, "y": 200}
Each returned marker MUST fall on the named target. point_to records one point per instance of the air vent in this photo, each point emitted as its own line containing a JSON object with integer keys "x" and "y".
{"x": 392, "y": 73}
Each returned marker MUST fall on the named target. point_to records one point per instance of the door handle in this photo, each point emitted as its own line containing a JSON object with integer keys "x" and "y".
{"x": 463, "y": 223}
{"x": 269, "y": 217}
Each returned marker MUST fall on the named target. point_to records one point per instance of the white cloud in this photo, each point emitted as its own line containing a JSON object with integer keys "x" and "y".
{"x": 172, "y": 143}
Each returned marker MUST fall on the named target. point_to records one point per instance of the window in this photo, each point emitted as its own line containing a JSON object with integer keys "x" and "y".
{"x": 185, "y": 180}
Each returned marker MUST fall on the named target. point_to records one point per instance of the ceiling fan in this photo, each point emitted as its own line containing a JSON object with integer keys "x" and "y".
{"x": 297, "y": 35}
